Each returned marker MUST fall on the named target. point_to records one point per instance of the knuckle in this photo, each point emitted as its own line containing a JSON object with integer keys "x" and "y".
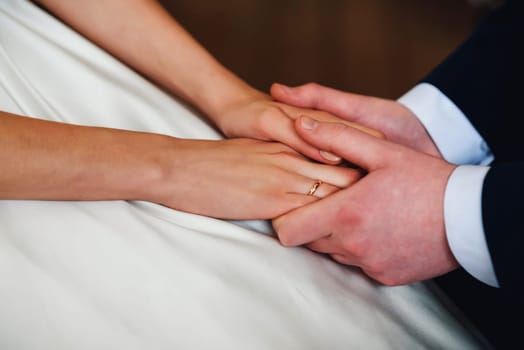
{"x": 356, "y": 247}
{"x": 311, "y": 85}
{"x": 350, "y": 246}
{"x": 353, "y": 242}
{"x": 310, "y": 90}
{"x": 349, "y": 217}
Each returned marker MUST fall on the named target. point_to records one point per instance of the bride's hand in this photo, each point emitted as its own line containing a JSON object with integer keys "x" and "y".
{"x": 243, "y": 178}
{"x": 259, "y": 117}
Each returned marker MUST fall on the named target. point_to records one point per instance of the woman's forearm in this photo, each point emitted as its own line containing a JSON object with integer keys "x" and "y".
{"x": 142, "y": 34}
{"x": 230, "y": 179}
{"x": 48, "y": 160}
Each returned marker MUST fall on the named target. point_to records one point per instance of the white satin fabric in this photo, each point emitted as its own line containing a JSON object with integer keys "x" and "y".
{"x": 135, "y": 275}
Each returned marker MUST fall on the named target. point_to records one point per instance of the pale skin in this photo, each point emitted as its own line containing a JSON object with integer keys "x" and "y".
{"x": 263, "y": 178}
{"x": 390, "y": 223}
{"x": 396, "y": 122}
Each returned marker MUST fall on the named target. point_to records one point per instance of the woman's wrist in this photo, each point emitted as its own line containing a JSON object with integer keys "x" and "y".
{"x": 221, "y": 93}
{"x": 223, "y": 112}
{"x": 141, "y": 173}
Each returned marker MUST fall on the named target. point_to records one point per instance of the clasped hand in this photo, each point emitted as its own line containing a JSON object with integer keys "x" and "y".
{"x": 390, "y": 222}
{"x": 262, "y": 171}
{"x": 384, "y": 215}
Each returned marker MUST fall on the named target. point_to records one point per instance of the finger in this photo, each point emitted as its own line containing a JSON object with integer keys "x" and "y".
{"x": 289, "y": 137}
{"x": 320, "y": 189}
{"x": 322, "y": 245}
{"x": 342, "y": 104}
{"x": 355, "y": 146}
{"x": 311, "y": 187}
{"x": 327, "y": 245}
{"x": 295, "y": 113}
{"x": 335, "y": 175}
{"x": 308, "y": 223}
{"x": 331, "y": 245}
{"x": 283, "y": 130}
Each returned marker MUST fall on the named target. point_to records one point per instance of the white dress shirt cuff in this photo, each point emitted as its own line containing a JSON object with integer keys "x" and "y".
{"x": 452, "y": 132}
{"x": 463, "y": 221}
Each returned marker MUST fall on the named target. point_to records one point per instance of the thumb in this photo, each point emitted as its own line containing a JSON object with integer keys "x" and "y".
{"x": 342, "y": 104}
{"x": 355, "y": 146}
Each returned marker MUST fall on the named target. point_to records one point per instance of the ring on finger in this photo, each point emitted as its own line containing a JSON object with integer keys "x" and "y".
{"x": 314, "y": 187}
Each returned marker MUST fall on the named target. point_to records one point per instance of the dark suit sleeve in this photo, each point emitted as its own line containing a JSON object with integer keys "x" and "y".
{"x": 485, "y": 79}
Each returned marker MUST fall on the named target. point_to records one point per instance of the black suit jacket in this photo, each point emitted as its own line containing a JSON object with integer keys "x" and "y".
{"x": 485, "y": 79}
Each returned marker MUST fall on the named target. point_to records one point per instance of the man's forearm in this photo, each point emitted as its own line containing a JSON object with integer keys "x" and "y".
{"x": 143, "y": 35}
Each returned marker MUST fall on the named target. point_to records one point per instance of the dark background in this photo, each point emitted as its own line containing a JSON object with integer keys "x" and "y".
{"x": 376, "y": 47}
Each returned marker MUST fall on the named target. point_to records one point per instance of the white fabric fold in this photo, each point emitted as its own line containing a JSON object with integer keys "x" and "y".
{"x": 136, "y": 275}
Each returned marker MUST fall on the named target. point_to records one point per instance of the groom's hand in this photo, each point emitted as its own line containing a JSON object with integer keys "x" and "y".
{"x": 394, "y": 120}
{"x": 390, "y": 223}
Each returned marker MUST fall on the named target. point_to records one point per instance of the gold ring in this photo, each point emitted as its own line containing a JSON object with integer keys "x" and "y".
{"x": 314, "y": 187}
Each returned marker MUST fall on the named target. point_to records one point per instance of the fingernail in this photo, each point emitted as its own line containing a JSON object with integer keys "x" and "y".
{"x": 308, "y": 123}
{"x": 330, "y": 156}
